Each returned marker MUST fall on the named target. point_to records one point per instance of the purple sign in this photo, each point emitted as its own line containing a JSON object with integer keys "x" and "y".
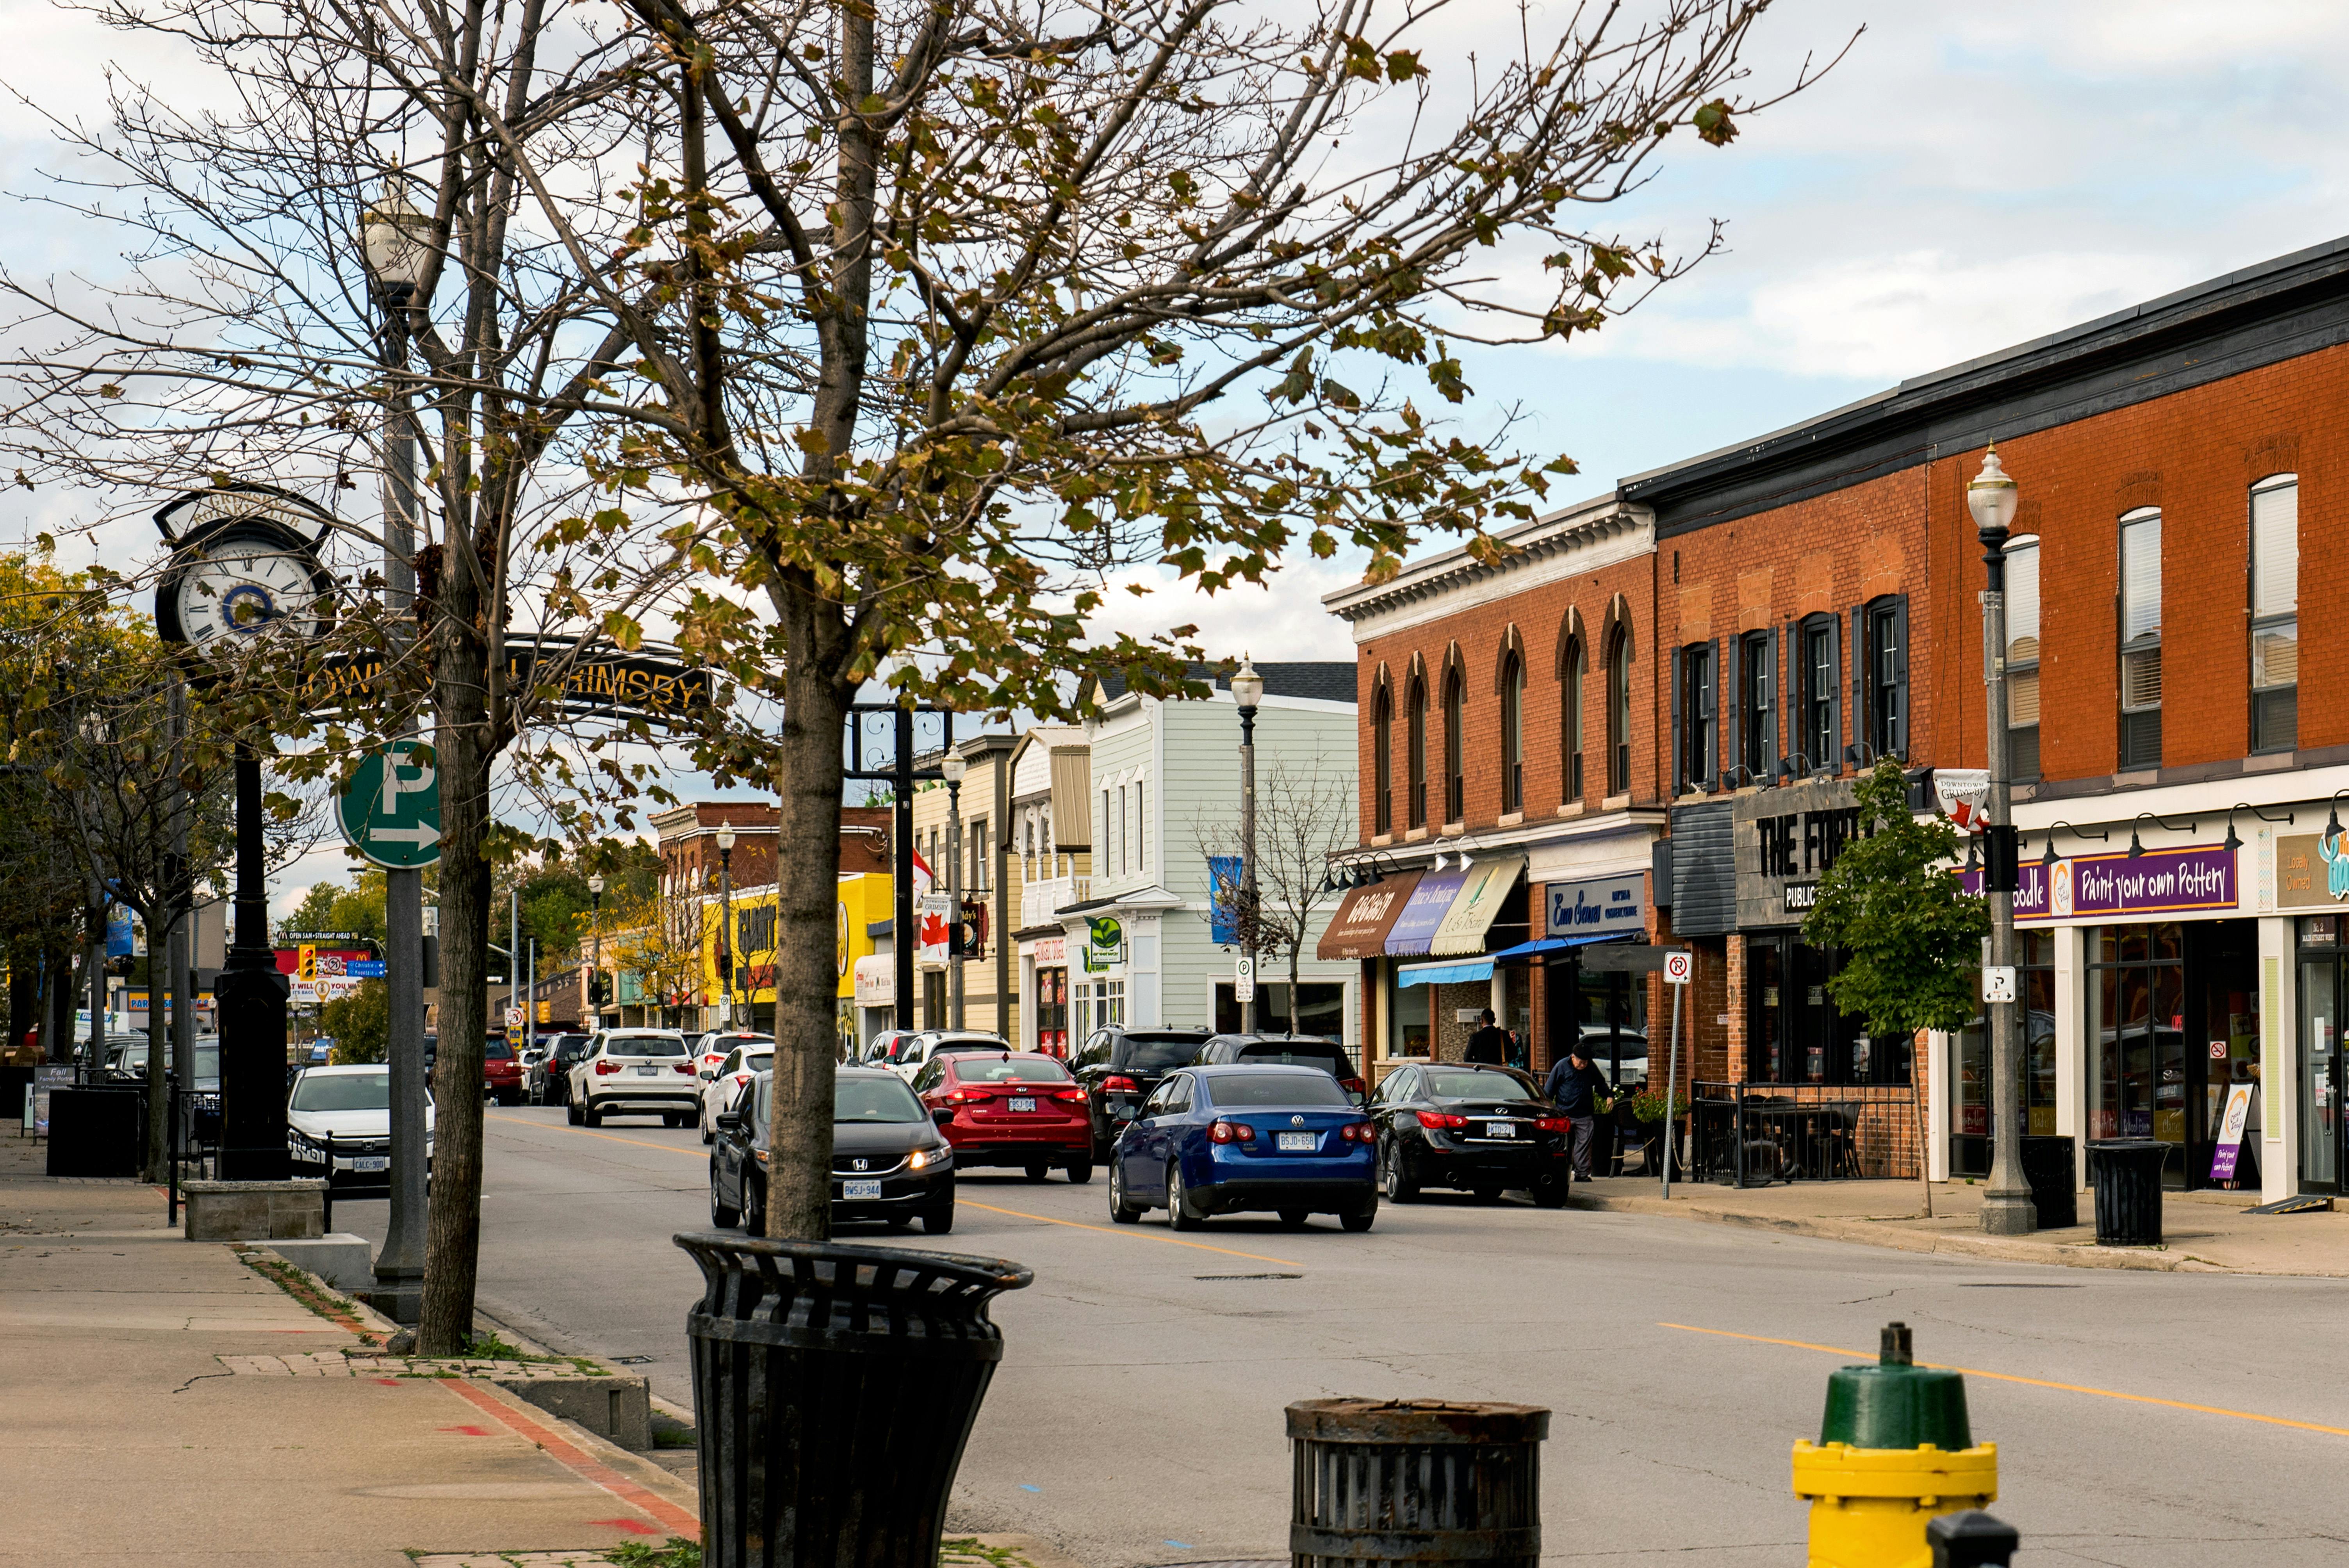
{"x": 2159, "y": 882}
{"x": 1414, "y": 928}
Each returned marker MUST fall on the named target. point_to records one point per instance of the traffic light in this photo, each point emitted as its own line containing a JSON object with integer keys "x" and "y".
{"x": 306, "y": 961}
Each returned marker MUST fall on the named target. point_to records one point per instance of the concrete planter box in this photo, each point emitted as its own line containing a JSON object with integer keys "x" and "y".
{"x": 253, "y": 1211}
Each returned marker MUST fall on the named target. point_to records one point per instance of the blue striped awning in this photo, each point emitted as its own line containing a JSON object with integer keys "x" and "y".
{"x": 1450, "y": 972}
{"x": 1556, "y": 945}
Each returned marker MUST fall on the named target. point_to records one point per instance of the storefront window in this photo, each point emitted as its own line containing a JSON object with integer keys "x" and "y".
{"x": 1794, "y": 1033}
{"x": 1610, "y": 1016}
{"x": 2321, "y": 1074}
{"x": 2173, "y": 1026}
{"x": 1321, "y": 1010}
{"x": 1052, "y": 1011}
{"x": 1409, "y": 1010}
{"x": 1969, "y": 1121}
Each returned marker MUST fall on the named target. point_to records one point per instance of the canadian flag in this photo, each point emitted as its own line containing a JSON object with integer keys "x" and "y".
{"x": 922, "y": 877}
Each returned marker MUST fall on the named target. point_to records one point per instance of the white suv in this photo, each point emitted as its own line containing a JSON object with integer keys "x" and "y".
{"x": 635, "y": 1072}
{"x": 916, "y": 1051}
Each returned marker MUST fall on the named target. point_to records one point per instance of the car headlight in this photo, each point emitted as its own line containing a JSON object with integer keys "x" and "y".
{"x": 923, "y": 1159}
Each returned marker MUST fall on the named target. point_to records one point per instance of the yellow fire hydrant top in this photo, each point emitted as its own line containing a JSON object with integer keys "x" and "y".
{"x": 1895, "y": 1449}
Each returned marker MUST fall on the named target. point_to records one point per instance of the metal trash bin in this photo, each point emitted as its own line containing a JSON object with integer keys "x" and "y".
{"x": 2126, "y": 1174}
{"x": 2049, "y": 1170}
{"x": 1383, "y": 1482}
{"x": 833, "y": 1389}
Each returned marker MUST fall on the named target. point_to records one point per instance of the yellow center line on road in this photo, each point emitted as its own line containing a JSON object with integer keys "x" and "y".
{"x": 2030, "y": 1382}
{"x": 966, "y": 1202}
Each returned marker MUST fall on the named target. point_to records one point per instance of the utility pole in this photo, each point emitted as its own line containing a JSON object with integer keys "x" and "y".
{"x": 900, "y": 776}
{"x": 1248, "y": 691}
{"x": 952, "y": 767}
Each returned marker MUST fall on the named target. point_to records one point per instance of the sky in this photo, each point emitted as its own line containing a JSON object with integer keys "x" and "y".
{"x": 1968, "y": 178}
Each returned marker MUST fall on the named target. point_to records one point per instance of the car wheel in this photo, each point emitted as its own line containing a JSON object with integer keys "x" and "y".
{"x": 721, "y": 1217}
{"x": 1119, "y": 1211}
{"x": 595, "y": 1117}
{"x": 1179, "y": 1213}
{"x": 1293, "y": 1219}
{"x": 1081, "y": 1172}
{"x": 708, "y": 1133}
{"x": 1488, "y": 1194}
{"x": 1037, "y": 1172}
{"x": 1550, "y": 1193}
{"x": 571, "y": 1112}
{"x": 1395, "y": 1176}
{"x": 938, "y": 1220}
{"x": 754, "y": 1207}
{"x": 1360, "y": 1220}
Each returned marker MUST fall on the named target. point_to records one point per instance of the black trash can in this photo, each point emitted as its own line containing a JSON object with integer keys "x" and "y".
{"x": 2126, "y": 1174}
{"x": 2054, "y": 1180}
{"x": 833, "y": 1387}
{"x": 1378, "y": 1483}
{"x": 98, "y": 1131}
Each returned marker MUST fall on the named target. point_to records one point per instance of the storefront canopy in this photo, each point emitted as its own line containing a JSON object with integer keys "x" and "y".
{"x": 1556, "y": 945}
{"x": 1455, "y": 971}
{"x": 1423, "y": 909}
{"x": 1475, "y": 905}
{"x": 1359, "y": 929}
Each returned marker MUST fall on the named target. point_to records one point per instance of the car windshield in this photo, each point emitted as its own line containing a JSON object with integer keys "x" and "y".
{"x": 1011, "y": 1069}
{"x": 873, "y": 1099}
{"x": 1275, "y": 1088}
{"x": 1464, "y": 1083}
{"x": 645, "y": 1045}
{"x": 1316, "y": 1053}
{"x": 343, "y": 1091}
{"x": 1148, "y": 1051}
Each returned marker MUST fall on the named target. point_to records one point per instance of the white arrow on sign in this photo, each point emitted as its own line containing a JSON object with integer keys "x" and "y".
{"x": 423, "y": 836}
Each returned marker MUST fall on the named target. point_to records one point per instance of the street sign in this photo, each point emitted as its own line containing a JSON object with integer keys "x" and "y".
{"x": 1997, "y": 983}
{"x": 391, "y": 810}
{"x": 513, "y": 1017}
{"x": 1679, "y": 967}
{"x": 1244, "y": 979}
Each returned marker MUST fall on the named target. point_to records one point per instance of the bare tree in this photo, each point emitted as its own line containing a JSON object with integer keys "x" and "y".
{"x": 1303, "y": 816}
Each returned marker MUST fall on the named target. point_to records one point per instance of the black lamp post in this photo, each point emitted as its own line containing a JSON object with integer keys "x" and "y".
{"x": 726, "y": 918}
{"x": 1248, "y": 691}
{"x": 595, "y": 965}
{"x": 951, "y": 768}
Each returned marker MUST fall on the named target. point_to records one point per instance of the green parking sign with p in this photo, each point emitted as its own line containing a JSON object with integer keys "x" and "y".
{"x": 391, "y": 810}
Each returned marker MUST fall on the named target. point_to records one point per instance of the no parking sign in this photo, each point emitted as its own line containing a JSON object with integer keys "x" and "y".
{"x": 1679, "y": 965}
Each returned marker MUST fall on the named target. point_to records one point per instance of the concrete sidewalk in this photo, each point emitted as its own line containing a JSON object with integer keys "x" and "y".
{"x": 136, "y": 1433}
{"x": 2200, "y": 1231}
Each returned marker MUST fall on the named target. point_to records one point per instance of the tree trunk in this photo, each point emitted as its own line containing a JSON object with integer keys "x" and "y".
{"x": 807, "y": 885}
{"x": 462, "y": 752}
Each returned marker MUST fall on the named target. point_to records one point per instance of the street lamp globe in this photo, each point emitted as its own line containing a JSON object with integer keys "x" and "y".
{"x": 952, "y": 767}
{"x": 395, "y": 240}
{"x": 1991, "y": 498}
{"x": 725, "y": 839}
{"x": 1247, "y": 686}
{"x": 596, "y": 886}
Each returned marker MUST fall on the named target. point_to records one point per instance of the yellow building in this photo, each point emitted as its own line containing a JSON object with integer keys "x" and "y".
{"x": 865, "y": 898}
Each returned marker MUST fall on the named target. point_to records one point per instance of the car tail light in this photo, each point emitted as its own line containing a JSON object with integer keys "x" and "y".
{"x": 1552, "y": 1124}
{"x": 604, "y": 1068}
{"x": 686, "y": 1067}
{"x": 1353, "y": 1086}
{"x": 1442, "y": 1120}
{"x": 970, "y": 1097}
{"x": 1231, "y": 1132}
{"x": 1120, "y": 1085}
{"x": 1359, "y": 1132}
{"x": 1073, "y": 1096}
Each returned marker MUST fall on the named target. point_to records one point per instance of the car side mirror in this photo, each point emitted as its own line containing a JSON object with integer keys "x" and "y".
{"x": 943, "y": 1116}
{"x": 729, "y": 1121}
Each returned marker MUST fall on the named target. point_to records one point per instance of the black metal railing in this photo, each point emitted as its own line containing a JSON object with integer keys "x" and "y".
{"x": 192, "y": 1142}
{"x": 1749, "y": 1135}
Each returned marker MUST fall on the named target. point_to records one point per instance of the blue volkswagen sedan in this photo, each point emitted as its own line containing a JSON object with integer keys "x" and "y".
{"x": 1239, "y": 1138}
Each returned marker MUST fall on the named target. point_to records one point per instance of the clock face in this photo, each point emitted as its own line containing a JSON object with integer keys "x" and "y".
{"x": 241, "y": 590}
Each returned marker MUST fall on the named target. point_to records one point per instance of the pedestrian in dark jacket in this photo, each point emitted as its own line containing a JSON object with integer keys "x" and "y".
{"x": 1574, "y": 1086}
{"x": 1489, "y": 1045}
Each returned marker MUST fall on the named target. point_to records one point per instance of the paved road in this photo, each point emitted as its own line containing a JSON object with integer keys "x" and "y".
{"x": 1137, "y": 1415}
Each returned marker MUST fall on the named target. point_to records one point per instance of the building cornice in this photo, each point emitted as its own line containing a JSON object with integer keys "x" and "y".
{"x": 1557, "y": 545}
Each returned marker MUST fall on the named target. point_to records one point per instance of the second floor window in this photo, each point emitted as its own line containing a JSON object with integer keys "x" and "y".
{"x": 2275, "y": 613}
{"x": 1619, "y": 712}
{"x": 1757, "y": 717}
{"x": 1700, "y": 722}
{"x": 1513, "y": 735}
{"x": 1455, "y": 781}
{"x": 1816, "y": 709}
{"x": 2023, "y": 658}
{"x": 2141, "y": 639}
{"x": 1888, "y": 678}
{"x": 1418, "y": 738}
{"x": 1383, "y": 761}
{"x": 1571, "y": 723}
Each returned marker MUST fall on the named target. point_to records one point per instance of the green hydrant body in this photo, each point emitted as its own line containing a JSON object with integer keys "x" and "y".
{"x": 1894, "y": 1448}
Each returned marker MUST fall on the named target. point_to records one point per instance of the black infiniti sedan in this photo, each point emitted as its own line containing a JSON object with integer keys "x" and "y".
{"x": 1119, "y": 1067}
{"x": 889, "y": 1161}
{"x": 1485, "y": 1130}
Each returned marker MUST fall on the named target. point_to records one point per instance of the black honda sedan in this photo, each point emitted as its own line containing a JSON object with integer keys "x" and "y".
{"x": 1485, "y": 1130}
{"x": 889, "y": 1161}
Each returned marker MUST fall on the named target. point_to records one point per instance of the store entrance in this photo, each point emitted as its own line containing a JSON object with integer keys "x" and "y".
{"x": 2321, "y": 1075}
{"x": 2173, "y": 1013}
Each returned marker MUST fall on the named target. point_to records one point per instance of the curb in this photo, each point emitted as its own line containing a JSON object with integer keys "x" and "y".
{"x": 370, "y": 1320}
{"x": 1875, "y": 1233}
{"x": 593, "y": 1459}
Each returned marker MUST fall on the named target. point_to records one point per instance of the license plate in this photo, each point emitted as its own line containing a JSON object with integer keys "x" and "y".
{"x": 852, "y": 1191}
{"x": 1024, "y": 1102}
{"x": 371, "y": 1162}
{"x": 1302, "y": 1142}
{"x": 1500, "y": 1129}
{"x": 648, "y": 1072}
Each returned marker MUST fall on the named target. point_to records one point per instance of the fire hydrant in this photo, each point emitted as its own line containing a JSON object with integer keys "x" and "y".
{"x": 1895, "y": 1449}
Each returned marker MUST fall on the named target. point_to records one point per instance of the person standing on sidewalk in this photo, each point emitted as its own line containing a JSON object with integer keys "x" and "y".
{"x": 1574, "y": 1086}
{"x": 1489, "y": 1045}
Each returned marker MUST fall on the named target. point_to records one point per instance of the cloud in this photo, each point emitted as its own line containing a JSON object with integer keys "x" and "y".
{"x": 1282, "y": 620}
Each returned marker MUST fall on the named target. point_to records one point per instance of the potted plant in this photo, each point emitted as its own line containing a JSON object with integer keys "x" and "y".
{"x": 1649, "y": 1110}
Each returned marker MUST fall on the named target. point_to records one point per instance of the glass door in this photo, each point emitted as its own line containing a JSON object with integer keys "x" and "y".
{"x": 2137, "y": 999}
{"x": 2320, "y": 1075}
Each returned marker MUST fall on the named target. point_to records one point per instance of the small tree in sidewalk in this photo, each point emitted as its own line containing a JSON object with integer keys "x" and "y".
{"x": 1910, "y": 934}
{"x": 1302, "y": 817}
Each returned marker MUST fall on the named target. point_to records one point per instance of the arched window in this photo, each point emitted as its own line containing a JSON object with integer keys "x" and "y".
{"x": 1619, "y": 712}
{"x": 1571, "y": 722}
{"x": 1382, "y": 760}
{"x": 1513, "y": 734}
{"x": 1455, "y": 781}
{"x": 1418, "y": 723}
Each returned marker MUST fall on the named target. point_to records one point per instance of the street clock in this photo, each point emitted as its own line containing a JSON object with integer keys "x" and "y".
{"x": 243, "y": 571}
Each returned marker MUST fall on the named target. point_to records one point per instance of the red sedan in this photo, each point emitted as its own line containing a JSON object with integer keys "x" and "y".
{"x": 1010, "y": 1107}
